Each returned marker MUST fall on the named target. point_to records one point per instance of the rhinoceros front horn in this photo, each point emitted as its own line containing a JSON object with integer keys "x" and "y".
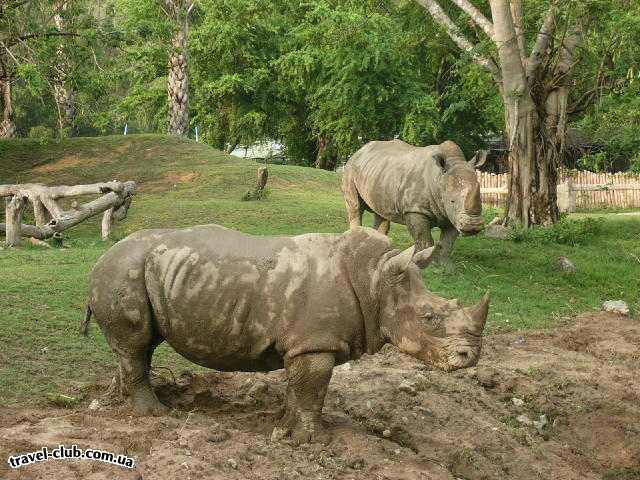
{"x": 478, "y": 314}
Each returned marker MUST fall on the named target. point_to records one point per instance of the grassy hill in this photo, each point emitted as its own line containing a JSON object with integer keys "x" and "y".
{"x": 183, "y": 183}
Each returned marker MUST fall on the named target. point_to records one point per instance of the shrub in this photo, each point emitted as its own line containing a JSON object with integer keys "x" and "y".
{"x": 566, "y": 232}
{"x": 255, "y": 194}
{"x": 42, "y": 133}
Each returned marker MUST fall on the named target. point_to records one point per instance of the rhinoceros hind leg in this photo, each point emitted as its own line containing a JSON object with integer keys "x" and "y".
{"x": 420, "y": 229}
{"x": 381, "y": 224}
{"x": 308, "y": 377}
{"x": 355, "y": 204}
{"x": 135, "y": 378}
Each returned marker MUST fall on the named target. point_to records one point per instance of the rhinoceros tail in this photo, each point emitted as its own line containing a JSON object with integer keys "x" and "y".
{"x": 84, "y": 326}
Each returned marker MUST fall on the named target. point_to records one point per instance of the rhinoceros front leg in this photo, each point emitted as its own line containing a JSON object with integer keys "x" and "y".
{"x": 381, "y": 224}
{"x": 420, "y": 229}
{"x": 447, "y": 239}
{"x": 308, "y": 376}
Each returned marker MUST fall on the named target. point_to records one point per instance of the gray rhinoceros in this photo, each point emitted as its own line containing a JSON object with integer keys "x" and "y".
{"x": 420, "y": 187}
{"x": 236, "y": 302}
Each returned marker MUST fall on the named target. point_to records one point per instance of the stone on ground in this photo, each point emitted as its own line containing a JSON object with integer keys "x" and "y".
{"x": 616, "y": 306}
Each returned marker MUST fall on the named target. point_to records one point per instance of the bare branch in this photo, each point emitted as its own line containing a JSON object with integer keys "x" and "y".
{"x": 547, "y": 30}
{"x": 567, "y": 51}
{"x": 460, "y": 40}
{"x": 41, "y": 34}
{"x": 476, "y": 15}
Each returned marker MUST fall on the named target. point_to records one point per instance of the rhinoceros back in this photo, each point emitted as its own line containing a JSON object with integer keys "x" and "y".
{"x": 394, "y": 178}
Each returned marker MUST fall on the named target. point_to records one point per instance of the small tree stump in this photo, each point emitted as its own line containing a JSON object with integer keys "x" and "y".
{"x": 14, "y": 208}
{"x": 263, "y": 176}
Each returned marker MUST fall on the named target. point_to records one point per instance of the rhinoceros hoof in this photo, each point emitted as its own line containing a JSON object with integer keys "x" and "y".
{"x": 146, "y": 404}
{"x": 300, "y": 433}
{"x": 316, "y": 434}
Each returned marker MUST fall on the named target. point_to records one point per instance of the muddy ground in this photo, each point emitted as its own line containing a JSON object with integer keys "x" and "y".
{"x": 391, "y": 418}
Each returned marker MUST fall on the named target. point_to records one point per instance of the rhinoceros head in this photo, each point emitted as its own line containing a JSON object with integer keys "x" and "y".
{"x": 460, "y": 189}
{"x": 430, "y": 328}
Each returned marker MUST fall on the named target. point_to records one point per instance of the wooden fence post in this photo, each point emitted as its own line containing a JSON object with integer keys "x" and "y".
{"x": 107, "y": 223}
{"x": 40, "y": 213}
{"x": 14, "y": 206}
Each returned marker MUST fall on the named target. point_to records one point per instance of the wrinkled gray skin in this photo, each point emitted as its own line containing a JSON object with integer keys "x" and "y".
{"x": 420, "y": 187}
{"x": 235, "y": 302}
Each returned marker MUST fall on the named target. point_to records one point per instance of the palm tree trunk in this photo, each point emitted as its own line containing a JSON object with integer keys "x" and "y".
{"x": 178, "y": 84}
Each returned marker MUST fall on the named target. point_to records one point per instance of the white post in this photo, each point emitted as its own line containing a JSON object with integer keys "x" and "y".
{"x": 126, "y": 129}
{"x": 571, "y": 195}
{"x": 197, "y": 134}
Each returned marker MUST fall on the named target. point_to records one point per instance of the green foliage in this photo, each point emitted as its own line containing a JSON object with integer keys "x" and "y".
{"x": 255, "y": 194}
{"x": 566, "y": 232}
{"x": 42, "y": 133}
{"x": 232, "y": 48}
{"x": 323, "y": 72}
{"x": 607, "y": 91}
{"x": 615, "y": 124}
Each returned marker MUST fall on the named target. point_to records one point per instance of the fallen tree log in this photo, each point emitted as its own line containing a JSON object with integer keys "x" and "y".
{"x": 115, "y": 199}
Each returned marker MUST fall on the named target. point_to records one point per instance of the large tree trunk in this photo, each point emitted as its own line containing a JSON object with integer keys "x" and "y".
{"x": 533, "y": 155}
{"x": 326, "y": 158}
{"x": 7, "y": 125}
{"x": 62, "y": 91}
{"x": 533, "y": 162}
{"x": 178, "y": 83}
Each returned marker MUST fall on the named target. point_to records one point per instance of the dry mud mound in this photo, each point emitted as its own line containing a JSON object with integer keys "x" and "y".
{"x": 390, "y": 417}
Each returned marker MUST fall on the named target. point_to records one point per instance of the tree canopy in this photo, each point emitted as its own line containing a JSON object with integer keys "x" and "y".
{"x": 322, "y": 77}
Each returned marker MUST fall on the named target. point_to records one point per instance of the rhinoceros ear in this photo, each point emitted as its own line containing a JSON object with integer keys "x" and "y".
{"x": 440, "y": 160}
{"x": 424, "y": 257}
{"x": 399, "y": 263}
{"x": 479, "y": 159}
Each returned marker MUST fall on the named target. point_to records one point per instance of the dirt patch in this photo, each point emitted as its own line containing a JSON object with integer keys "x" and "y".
{"x": 65, "y": 163}
{"x": 584, "y": 379}
{"x": 168, "y": 180}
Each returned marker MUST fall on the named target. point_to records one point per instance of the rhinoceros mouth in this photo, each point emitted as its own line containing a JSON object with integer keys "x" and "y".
{"x": 462, "y": 359}
{"x": 469, "y": 224}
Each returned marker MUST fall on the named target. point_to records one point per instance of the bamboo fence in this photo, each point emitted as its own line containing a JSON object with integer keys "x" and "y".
{"x": 577, "y": 190}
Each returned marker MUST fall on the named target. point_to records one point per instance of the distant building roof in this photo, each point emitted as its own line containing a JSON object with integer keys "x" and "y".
{"x": 259, "y": 151}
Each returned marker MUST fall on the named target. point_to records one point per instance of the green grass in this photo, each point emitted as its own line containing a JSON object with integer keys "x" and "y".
{"x": 43, "y": 291}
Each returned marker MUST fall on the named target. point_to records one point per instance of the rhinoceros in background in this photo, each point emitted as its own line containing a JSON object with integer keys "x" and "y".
{"x": 420, "y": 187}
{"x": 235, "y": 302}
